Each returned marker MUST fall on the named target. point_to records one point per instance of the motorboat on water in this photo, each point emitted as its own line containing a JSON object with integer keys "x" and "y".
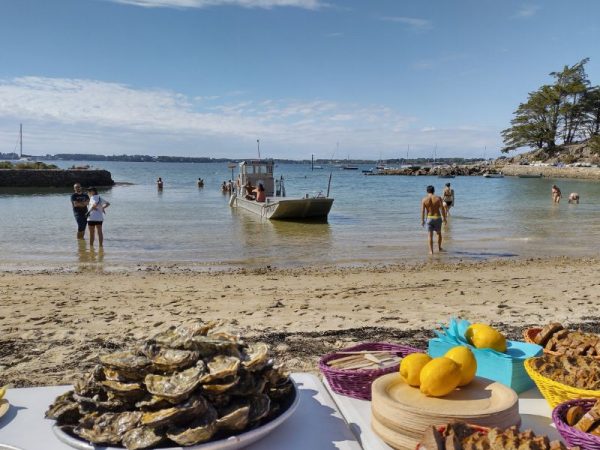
{"x": 493, "y": 175}
{"x": 526, "y": 175}
{"x": 276, "y": 206}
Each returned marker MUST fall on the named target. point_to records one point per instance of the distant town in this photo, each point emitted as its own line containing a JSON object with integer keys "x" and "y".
{"x": 202, "y": 159}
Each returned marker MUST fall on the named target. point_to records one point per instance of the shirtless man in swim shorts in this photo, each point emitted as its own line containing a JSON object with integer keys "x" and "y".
{"x": 433, "y": 215}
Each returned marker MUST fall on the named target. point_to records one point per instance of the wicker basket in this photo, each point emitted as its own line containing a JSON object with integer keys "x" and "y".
{"x": 357, "y": 383}
{"x": 529, "y": 335}
{"x": 572, "y": 436}
{"x": 555, "y": 392}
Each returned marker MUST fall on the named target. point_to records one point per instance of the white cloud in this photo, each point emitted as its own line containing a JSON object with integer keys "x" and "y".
{"x": 527, "y": 11}
{"x": 412, "y": 22}
{"x": 184, "y": 4}
{"x": 88, "y": 116}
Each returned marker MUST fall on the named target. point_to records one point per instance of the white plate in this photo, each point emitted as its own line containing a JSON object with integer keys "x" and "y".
{"x": 8, "y": 447}
{"x": 230, "y": 443}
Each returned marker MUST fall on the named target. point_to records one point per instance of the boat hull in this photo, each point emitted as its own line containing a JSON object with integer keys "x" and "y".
{"x": 287, "y": 209}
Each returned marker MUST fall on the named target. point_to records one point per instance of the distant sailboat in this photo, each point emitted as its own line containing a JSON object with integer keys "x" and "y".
{"x": 20, "y": 143}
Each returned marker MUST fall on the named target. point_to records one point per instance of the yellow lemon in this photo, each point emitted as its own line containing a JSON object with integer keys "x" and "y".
{"x": 439, "y": 377}
{"x": 483, "y": 336}
{"x": 2, "y": 392}
{"x": 464, "y": 357}
{"x": 410, "y": 368}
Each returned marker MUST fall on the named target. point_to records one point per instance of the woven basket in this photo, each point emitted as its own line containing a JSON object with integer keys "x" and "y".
{"x": 357, "y": 383}
{"x": 555, "y": 392}
{"x": 572, "y": 436}
{"x": 530, "y": 333}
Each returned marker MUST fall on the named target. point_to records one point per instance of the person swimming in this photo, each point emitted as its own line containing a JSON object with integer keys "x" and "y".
{"x": 574, "y": 198}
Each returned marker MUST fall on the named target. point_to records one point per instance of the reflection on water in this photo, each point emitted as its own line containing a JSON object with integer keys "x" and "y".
{"x": 378, "y": 223}
{"x": 89, "y": 255}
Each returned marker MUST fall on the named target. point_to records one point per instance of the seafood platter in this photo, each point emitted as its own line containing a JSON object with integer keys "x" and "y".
{"x": 190, "y": 386}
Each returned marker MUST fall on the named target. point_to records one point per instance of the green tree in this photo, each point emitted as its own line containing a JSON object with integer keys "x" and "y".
{"x": 536, "y": 122}
{"x": 571, "y": 85}
{"x": 591, "y": 111}
{"x": 558, "y": 111}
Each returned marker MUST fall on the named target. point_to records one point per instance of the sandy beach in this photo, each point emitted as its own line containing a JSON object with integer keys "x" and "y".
{"x": 55, "y": 324}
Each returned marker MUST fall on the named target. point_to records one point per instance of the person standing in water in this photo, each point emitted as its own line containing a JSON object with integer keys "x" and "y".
{"x": 433, "y": 215}
{"x": 96, "y": 216}
{"x": 79, "y": 201}
{"x": 448, "y": 197}
{"x": 556, "y": 194}
{"x": 159, "y": 184}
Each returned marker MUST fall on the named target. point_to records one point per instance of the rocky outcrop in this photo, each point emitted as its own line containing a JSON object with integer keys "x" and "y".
{"x": 54, "y": 178}
{"x": 585, "y": 173}
{"x": 438, "y": 170}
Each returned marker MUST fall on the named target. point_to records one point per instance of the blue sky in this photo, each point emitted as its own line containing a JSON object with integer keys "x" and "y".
{"x": 210, "y": 77}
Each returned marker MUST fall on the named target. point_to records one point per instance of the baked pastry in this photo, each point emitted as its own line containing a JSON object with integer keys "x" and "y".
{"x": 544, "y": 336}
{"x": 555, "y": 338}
{"x": 574, "y": 414}
{"x": 460, "y": 436}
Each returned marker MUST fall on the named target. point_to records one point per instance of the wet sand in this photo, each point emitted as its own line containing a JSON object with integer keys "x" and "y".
{"x": 55, "y": 324}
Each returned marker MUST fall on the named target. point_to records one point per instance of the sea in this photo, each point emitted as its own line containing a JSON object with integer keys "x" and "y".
{"x": 375, "y": 220}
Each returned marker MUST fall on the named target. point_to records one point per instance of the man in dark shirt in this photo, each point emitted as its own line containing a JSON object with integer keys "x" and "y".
{"x": 80, "y": 201}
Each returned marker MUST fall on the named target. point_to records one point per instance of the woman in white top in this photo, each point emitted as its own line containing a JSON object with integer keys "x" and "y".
{"x": 96, "y": 215}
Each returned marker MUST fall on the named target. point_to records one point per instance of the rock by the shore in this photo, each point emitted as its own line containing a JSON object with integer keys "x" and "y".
{"x": 54, "y": 178}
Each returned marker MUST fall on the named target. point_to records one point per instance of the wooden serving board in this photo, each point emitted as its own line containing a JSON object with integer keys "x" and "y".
{"x": 401, "y": 413}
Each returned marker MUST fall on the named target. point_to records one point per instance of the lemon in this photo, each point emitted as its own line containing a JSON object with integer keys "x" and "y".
{"x": 2, "y": 392}
{"x": 439, "y": 377}
{"x": 410, "y": 368}
{"x": 464, "y": 357}
{"x": 483, "y": 336}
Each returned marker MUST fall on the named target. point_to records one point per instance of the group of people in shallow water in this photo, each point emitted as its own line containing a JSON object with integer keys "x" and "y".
{"x": 556, "y": 195}
{"x": 89, "y": 210}
{"x": 435, "y": 210}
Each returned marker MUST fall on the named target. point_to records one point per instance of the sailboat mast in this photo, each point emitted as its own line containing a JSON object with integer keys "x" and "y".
{"x": 21, "y": 141}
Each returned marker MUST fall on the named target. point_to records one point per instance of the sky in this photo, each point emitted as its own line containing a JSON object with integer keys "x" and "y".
{"x": 337, "y": 79}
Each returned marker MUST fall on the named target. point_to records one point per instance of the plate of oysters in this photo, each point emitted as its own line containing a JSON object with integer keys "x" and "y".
{"x": 191, "y": 386}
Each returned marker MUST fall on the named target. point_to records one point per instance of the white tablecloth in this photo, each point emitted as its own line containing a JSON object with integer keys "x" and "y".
{"x": 534, "y": 410}
{"x": 317, "y": 423}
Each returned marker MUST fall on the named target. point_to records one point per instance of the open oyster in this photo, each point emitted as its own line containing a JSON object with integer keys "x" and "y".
{"x": 222, "y": 367}
{"x": 126, "y": 362}
{"x": 169, "y": 359}
{"x": 65, "y": 410}
{"x": 178, "y": 385}
{"x": 256, "y": 356}
{"x": 235, "y": 417}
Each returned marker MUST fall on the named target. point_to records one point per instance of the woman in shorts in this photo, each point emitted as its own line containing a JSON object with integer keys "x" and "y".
{"x": 96, "y": 215}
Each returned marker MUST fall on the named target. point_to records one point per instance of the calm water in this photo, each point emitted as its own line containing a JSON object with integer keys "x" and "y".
{"x": 373, "y": 220}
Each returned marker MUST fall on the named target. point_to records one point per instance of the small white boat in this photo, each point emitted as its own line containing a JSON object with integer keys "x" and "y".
{"x": 493, "y": 175}
{"x": 276, "y": 206}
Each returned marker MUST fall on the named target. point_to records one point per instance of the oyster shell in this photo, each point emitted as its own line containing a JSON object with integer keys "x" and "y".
{"x": 124, "y": 389}
{"x": 208, "y": 346}
{"x": 126, "y": 362}
{"x": 100, "y": 402}
{"x": 259, "y": 407}
{"x": 169, "y": 359}
{"x": 141, "y": 437}
{"x": 153, "y": 403}
{"x": 178, "y": 385}
{"x": 107, "y": 428}
{"x": 248, "y": 384}
{"x": 222, "y": 367}
{"x": 65, "y": 410}
{"x": 255, "y": 356}
{"x": 224, "y": 386}
{"x": 234, "y": 418}
{"x": 199, "y": 430}
{"x": 194, "y": 406}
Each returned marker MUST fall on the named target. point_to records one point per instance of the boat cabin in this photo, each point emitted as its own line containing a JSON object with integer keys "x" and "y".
{"x": 259, "y": 171}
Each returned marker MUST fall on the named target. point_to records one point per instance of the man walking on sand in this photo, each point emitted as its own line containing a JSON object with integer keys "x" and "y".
{"x": 433, "y": 214}
{"x": 80, "y": 201}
